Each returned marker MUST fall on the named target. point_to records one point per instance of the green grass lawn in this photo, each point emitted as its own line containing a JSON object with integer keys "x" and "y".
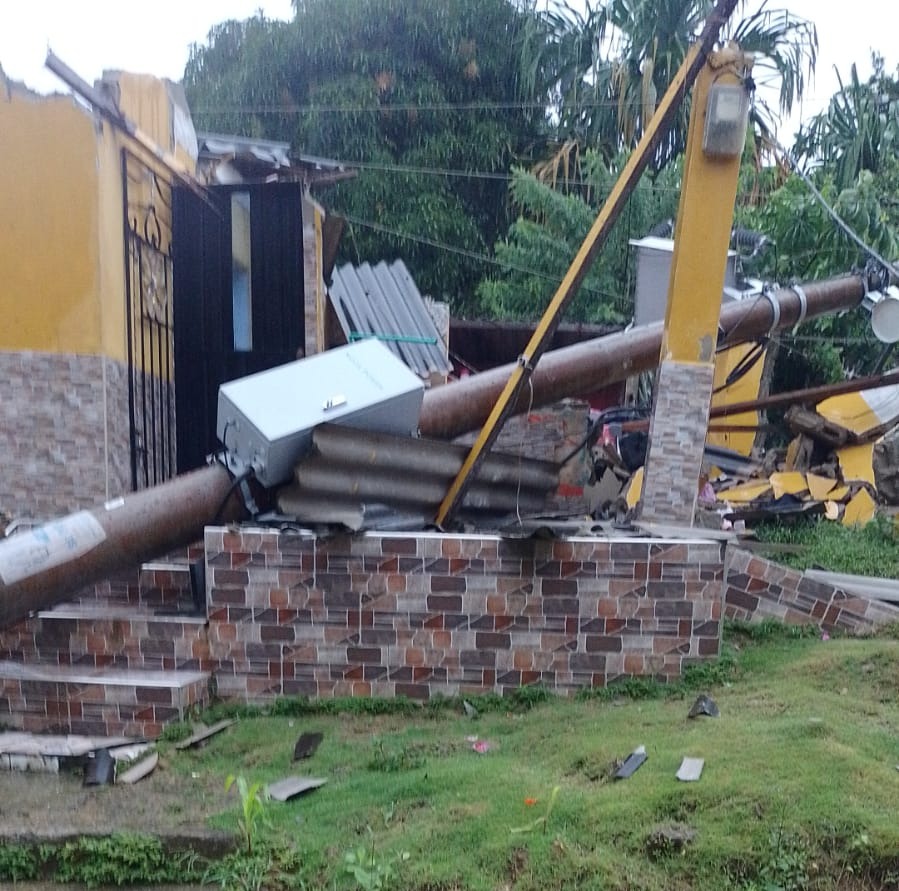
{"x": 800, "y": 787}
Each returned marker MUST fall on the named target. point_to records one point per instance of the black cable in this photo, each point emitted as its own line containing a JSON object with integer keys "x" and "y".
{"x": 238, "y": 481}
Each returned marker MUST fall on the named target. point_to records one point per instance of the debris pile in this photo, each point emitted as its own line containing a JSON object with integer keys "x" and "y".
{"x": 840, "y": 462}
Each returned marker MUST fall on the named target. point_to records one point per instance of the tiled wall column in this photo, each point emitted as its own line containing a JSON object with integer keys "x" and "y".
{"x": 677, "y": 434}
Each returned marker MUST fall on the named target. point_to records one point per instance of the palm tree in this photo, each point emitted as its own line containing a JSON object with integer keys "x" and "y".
{"x": 605, "y": 68}
{"x": 858, "y": 131}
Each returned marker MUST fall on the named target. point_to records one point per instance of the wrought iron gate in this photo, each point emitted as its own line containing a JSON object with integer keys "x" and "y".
{"x": 147, "y": 212}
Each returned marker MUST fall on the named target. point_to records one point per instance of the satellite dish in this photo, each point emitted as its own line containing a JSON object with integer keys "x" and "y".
{"x": 885, "y": 317}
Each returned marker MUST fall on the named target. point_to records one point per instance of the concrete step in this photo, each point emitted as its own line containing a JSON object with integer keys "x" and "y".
{"x": 99, "y": 702}
{"x": 96, "y": 635}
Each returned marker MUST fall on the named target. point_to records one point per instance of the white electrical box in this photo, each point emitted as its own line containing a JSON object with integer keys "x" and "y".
{"x": 266, "y": 420}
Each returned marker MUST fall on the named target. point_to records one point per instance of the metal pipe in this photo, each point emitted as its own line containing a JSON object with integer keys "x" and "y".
{"x": 36, "y": 567}
{"x": 584, "y": 368}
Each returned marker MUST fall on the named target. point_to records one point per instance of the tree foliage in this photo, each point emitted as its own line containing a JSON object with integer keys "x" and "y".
{"x": 603, "y": 70}
{"x": 850, "y": 152}
{"x": 423, "y": 96}
{"x": 551, "y": 226}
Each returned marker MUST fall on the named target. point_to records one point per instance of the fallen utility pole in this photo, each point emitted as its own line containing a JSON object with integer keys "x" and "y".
{"x": 584, "y": 368}
{"x": 39, "y": 569}
{"x": 43, "y": 566}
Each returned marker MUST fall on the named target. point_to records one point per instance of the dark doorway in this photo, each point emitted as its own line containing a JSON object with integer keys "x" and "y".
{"x": 238, "y": 297}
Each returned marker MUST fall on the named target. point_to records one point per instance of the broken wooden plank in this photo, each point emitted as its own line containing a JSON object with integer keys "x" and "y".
{"x": 204, "y": 734}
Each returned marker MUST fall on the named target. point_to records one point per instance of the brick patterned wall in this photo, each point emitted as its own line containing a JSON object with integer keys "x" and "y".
{"x": 420, "y": 615}
{"x": 677, "y": 434}
{"x": 759, "y": 589}
{"x": 70, "y": 701}
{"x": 53, "y": 414}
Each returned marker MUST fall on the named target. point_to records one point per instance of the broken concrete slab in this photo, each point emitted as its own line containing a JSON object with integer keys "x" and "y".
{"x": 204, "y": 734}
{"x": 690, "y": 769}
{"x": 140, "y": 770}
{"x": 291, "y": 787}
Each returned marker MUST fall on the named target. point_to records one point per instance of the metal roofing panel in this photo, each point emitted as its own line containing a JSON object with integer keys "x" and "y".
{"x": 355, "y": 476}
{"x": 383, "y": 301}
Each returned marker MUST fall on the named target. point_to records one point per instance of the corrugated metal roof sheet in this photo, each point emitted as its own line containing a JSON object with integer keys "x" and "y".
{"x": 383, "y": 301}
{"x": 364, "y": 480}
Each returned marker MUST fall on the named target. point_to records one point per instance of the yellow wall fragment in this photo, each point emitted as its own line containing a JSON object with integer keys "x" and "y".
{"x": 745, "y": 492}
{"x": 856, "y": 462}
{"x": 819, "y": 486}
{"x": 838, "y": 494}
{"x": 741, "y": 390}
{"x": 634, "y": 488}
{"x": 860, "y": 509}
{"x": 788, "y": 483}
{"x": 860, "y": 412}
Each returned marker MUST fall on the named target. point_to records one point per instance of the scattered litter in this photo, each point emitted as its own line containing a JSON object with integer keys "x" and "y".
{"x": 140, "y": 770}
{"x": 99, "y": 769}
{"x": 704, "y": 705}
{"x": 530, "y": 802}
{"x": 690, "y": 769}
{"x": 307, "y": 745}
{"x": 825, "y": 635}
{"x": 290, "y": 787}
{"x": 204, "y": 734}
{"x": 482, "y": 747}
{"x": 631, "y": 764}
{"x": 470, "y": 710}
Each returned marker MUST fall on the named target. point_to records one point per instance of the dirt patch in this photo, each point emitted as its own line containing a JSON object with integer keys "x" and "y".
{"x": 56, "y": 806}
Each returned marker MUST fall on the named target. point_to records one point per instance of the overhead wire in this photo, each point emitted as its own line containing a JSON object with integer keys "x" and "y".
{"x": 474, "y": 255}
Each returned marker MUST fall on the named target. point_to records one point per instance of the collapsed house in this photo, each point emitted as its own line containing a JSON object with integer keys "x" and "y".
{"x": 280, "y": 605}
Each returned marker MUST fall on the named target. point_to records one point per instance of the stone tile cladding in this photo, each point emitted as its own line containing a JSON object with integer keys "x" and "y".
{"x": 676, "y": 441}
{"x": 53, "y": 414}
{"x": 125, "y": 623}
{"x": 69, "y": 703}
{"x": 759, "y": 589}
{"x": 419, "y": 615}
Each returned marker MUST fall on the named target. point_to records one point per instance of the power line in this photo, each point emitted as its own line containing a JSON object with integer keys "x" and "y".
{"x": 547, "y": 105}
{"x": 474, "y": 255}
{"x": 837, "y": 219}
{"x": 470, "y": 174}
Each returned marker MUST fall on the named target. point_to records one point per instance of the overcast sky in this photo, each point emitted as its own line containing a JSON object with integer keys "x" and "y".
{"x": 90, "y": 35}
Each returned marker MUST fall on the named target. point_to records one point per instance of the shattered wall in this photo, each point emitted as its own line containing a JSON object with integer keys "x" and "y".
{"x": 421, "y": 615}
{"x": 760, "y": 589}
{"x": 552, "y": 433}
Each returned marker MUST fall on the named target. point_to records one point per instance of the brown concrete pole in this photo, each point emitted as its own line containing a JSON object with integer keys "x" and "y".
{"x": 583, "y": 368}
{"x": 37, "y": 569}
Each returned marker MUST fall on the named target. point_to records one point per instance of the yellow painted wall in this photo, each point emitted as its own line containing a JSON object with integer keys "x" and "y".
{"x": 742, "y": 390}
{"x": 49, "y": 224}
{"x": 62, "y": 269}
